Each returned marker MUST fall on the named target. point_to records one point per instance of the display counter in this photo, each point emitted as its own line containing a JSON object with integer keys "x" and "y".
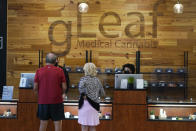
{"x": 8, "y": 109}
{"x": 172, "y": 110}
{"x": 71, "y": 110}
{"x": 129, "y": 112}
{"x": 126, "y": 110}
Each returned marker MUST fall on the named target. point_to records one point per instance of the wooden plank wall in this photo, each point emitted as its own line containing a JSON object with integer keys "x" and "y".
{"x": 119, "y": 28}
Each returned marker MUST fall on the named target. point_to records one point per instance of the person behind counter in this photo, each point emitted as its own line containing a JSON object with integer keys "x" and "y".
{"x": 90, "y": 89}
{"x": 128, "y": 69}
{"x": 50, "y": 86}
{"x": 65, "y": 73}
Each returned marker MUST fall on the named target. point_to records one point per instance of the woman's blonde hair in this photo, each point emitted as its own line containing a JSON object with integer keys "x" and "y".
{"x": 90, "y": 69}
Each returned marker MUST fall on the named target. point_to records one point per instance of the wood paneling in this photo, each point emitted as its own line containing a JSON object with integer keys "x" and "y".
{"x": 28, "y": 27}
{"x": 130, "y": 97}
{"x": 27, "y": 117}
{"x": 29, "y": 23}
{"x": 130, "y": 118}
{"x": 27, "y": 95}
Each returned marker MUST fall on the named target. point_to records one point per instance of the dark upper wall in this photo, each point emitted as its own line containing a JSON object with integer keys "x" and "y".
{"x": 3, "y": 32}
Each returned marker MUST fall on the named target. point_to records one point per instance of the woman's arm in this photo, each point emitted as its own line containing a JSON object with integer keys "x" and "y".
{"x": 101, "y": 91}
{"x": 81, "y": 86}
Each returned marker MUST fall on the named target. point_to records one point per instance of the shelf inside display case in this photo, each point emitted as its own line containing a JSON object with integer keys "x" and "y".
{"x": 165, "y": 80}
{"x": 8, "y": 109}
{"x": 172, "y": 110}
{"x": 166, "y": 85}
{"x": 108, "y": 71}
{"x": 164, "y": 73}
{"x": 98, "y": 73}
{"x": 71, "y": 110}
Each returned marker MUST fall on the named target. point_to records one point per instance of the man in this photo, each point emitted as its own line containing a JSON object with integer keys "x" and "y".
{"x": 50, "y": 86}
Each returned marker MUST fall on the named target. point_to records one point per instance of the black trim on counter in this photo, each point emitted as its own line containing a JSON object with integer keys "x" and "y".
{"x": 169, "y": 119}
{"x": 174, "y": 102}
{"x": 8, "y": 117}
{"x": 171, "y": 104}
{"x": 13, "y": 100}
{"x": 130, "y": 89}
{"x": 130, "y": 104}
{"x": 77, "y": 119}
{"x": 76, "y": 101}
{"x": 163, "y": 73}
{"x": 25, "y": 87}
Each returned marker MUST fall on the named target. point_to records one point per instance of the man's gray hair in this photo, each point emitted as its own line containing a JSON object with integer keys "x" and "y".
{"x": 51, "y": 58}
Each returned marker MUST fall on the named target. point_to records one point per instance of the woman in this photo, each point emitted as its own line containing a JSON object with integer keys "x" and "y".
{"x": 90, "y": 89}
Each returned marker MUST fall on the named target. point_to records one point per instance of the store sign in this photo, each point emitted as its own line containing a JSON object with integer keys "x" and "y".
{"x": 111, "y": 40}
{"x": 119, "y": 44}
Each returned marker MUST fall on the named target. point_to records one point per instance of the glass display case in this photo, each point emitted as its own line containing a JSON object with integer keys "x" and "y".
{"x": 166, "y": 85}
{"x": 71, "y": 110}
{"x": 106, "y": 76}
{"x": 168, "y": 80}
{"x": 164, "y": 110}
{"x": 8, "y": 109}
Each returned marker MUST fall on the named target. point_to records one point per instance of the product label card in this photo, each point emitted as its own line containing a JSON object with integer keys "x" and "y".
{"x": 7, "y": 92}
{"x": 123, "y": 84}
{"x": 23, "y": 82}
{"x": 140, "y": 83}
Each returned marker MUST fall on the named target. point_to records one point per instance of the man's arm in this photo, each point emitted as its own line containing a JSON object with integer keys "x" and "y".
{"x": 64, "y": 87}
{"x": 35, "y": 88}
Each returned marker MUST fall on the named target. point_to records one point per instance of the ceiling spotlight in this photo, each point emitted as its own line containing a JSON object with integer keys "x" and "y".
{"x": 83, "y": 7}
{"x": 178, "y": 7}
